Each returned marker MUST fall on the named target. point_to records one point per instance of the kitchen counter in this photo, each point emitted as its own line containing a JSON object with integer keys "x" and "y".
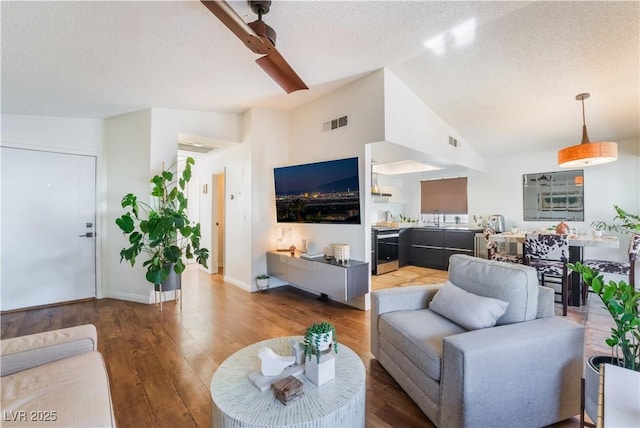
{"x": 386, "y": 225}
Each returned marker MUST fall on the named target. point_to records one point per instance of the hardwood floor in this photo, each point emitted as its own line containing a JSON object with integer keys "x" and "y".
{"x": 160, "y": 364}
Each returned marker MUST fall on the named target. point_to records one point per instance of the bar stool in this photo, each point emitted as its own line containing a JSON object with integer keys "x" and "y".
{"x": 494, "y": 254}
{"x": 548, "y": 254}
{"x": 619, "y": 268}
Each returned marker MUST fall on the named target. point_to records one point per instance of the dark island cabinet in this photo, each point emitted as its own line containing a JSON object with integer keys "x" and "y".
{"x": 426, "y": 248}
{"x": 404, "y": 250}
{"x": 432, "y": 247}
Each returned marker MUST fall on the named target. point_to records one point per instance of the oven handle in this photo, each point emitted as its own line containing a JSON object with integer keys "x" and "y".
{"x": 390, "y": 235}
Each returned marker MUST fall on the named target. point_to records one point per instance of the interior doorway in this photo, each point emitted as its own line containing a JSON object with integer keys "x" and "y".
{"x": 212, "y": 215}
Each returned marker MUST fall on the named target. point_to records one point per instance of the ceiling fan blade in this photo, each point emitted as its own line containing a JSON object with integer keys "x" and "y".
{"x": 275, "y": 66}
{"x": 233, "y": 22}
{"x": 272, "y": 63}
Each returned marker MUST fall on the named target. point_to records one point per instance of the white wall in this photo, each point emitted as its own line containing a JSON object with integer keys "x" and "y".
{"x": 235, "y": 163}
{"x": 411, "y": 123}
{"x": 128, "y": 148}
{"x": 269, "y": 144}
{"x": 65, "y": 135}
{"x": 54, "y": 133}
{"x": 402, "y": 199}
{"x": 167, "y": 124}
{"x": 362, "y": 101}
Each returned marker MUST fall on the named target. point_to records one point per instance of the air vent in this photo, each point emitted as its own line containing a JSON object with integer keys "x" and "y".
{"x": 453, "y": 142}
{"x": 194, "y": 148}
{"x": 335, "y": 123}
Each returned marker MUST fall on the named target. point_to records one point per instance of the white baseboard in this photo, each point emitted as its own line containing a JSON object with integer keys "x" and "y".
{"x": 130, "y": 297}
{"x": 237, "y": 283}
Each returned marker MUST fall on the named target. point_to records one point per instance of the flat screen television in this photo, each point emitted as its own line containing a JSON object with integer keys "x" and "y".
{"x": 320, "y": 192}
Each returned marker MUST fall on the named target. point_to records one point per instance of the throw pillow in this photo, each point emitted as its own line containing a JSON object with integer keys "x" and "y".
{"x": 466, "y": 309}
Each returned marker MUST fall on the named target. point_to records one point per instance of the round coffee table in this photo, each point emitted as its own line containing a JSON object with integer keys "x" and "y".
{"x": 237, "y": 402}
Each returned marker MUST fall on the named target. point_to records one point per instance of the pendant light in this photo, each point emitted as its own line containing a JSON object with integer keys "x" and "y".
{"x": 587, "y": 153}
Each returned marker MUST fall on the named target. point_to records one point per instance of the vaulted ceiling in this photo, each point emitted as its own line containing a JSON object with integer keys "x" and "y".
{"x": 503, "y": 74}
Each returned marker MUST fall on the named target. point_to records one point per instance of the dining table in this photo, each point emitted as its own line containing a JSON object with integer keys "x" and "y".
{"x": 576, "y": 244}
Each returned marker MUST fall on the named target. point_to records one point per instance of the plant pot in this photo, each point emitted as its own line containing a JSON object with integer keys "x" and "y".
{"x": 325, "y": 341}
{"x": 592, "y": 382}
{"x": 262, "y": 283}
{"x": 173, "y": 282}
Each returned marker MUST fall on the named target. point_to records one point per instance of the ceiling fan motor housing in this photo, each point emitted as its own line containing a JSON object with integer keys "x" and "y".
{"x": 262, "y": 29}
{"x": 260, "y": 7}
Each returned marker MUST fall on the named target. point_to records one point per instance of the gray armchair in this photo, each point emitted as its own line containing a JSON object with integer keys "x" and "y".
{"x": 524, "y": 371}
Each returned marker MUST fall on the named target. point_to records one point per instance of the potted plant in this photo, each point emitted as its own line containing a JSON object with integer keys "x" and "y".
{"x": 623, "y": 303}
{"x": 262, "y": 281}
{"x": 162, "y": 231}
{"x": 623, "y": 222}
{"x": 318, "y": 338}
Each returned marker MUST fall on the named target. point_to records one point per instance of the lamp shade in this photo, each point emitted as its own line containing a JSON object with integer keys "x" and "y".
{"x": 588, "y": 154}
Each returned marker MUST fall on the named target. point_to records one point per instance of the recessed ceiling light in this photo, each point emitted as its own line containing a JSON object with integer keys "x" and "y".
{"x": 403, "y": 167}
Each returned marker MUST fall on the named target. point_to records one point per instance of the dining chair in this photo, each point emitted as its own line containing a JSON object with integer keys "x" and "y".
{"x": 494, "y": 254}
{"x": 618, "y": 268}
{"x": 548, "y": 254}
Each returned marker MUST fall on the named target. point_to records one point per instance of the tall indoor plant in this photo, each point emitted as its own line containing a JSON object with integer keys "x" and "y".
{"x": 162, "y": 230}
{"x": 623, "y": 303}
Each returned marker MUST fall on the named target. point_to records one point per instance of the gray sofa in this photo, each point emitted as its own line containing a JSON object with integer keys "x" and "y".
{"x": 56, "y": 378}
{"x": 524, "y": 371}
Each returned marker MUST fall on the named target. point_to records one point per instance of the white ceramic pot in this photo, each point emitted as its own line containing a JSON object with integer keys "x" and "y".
{"x": 592, "y": 383}
{"x": 324, "y": 343}
{"x": 262, "y": 283}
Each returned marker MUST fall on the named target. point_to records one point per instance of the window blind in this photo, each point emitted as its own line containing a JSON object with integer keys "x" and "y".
{"x": 448, "y": 196}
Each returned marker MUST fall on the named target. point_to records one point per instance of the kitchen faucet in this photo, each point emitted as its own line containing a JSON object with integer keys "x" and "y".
{"x": 436, "y": 213}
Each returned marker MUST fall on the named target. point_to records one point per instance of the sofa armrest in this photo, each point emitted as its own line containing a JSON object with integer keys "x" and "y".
{"x": 24, "y": 352}
{"x": 398, "y": 299}
{"x": 546, "y": 297}
{"x": 527, "y": 371}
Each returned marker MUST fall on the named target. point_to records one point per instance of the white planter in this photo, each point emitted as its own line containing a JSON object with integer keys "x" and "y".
{"x": 324, "y": 371}
{"x": 324, "y": 342}
{"x": 262, "y": 283}
{"x": 592, "y": 383}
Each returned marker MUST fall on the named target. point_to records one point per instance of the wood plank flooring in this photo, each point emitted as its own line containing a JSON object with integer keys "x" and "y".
{"x": 160, "y": 364}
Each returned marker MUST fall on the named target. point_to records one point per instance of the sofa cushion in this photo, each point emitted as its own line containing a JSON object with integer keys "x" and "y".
{"x": 466, "y": 309}
{"x": 512, "y": 283}
{"x": 419, "y": 335}
{"x": 75, "y": 389}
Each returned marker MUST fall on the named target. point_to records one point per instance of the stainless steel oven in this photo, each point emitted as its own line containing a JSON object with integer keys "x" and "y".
{"x": 387, "y": 250}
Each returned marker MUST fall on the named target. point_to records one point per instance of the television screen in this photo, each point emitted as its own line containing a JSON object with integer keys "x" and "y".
{"x": 321, "y": 192}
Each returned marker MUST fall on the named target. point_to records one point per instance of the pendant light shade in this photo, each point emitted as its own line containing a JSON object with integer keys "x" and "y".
{"x": 587, "y": 153}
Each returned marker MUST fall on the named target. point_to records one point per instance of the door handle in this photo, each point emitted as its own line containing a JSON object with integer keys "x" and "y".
{"x": 87, "y": 235}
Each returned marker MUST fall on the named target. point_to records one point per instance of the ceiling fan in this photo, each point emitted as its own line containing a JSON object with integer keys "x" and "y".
{"x": 260, "y": 39}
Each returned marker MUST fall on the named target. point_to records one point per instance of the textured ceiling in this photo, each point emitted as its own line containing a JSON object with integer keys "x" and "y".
{"x": 511, "y": 88}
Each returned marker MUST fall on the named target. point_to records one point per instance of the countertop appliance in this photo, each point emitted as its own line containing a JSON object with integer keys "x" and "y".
{"x": 387, "y": 250}
{"x": 496, "y": 222}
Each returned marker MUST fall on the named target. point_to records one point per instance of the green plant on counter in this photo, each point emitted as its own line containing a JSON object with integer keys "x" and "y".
{"x": 623, "y": 222}
{"x": 404, "y": 219}
{"x": 622, "y": 301}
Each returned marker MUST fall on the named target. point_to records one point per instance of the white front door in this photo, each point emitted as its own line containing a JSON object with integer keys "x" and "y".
{"x": 48, "y": 228}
